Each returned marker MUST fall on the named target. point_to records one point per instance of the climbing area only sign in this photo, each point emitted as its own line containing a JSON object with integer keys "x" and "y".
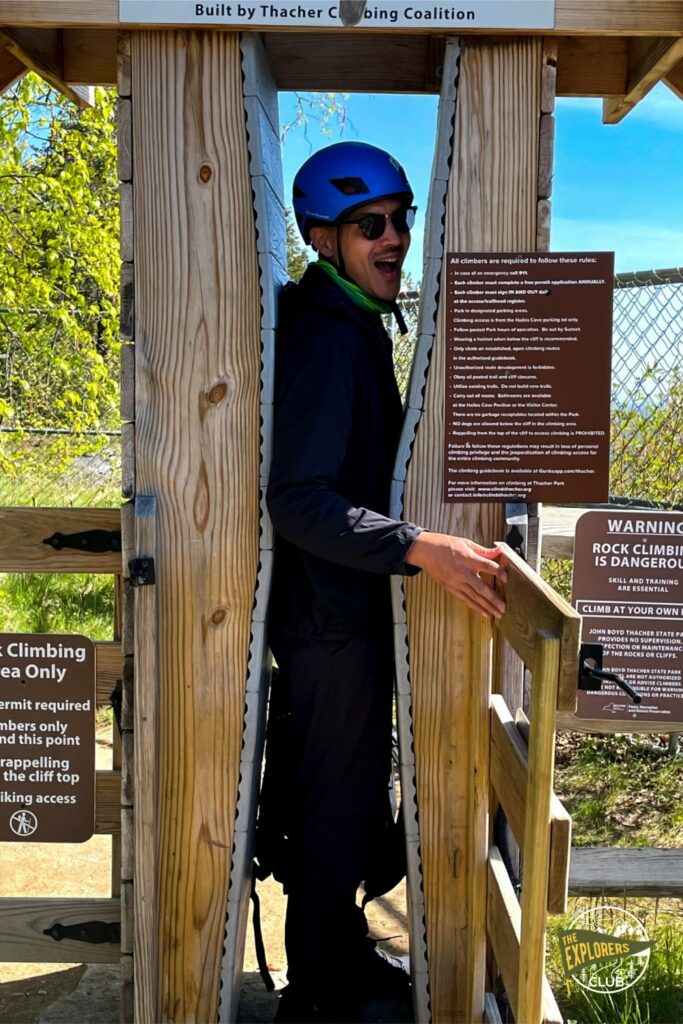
{"x": 628, "y": 588}
{"x": 402, "y": 14}
{"x": 47, "y": 738}
{"x": 528, "y": 361}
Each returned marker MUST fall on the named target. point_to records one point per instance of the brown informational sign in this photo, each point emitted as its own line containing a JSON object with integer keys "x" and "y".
{"x": 529, "y": 340}
{"x": 628, "y": 587}
{"x": 47, "y": 738}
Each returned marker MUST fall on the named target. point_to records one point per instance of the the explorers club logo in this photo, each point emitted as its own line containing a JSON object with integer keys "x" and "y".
{"x": 605, "y": 949}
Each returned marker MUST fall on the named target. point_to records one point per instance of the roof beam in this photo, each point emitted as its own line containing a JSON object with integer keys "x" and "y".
{"x": 674, "y": 79}
{"x": 11, "y": 69}
{"x": 649, "y": 61}
{"x": 592, "y": 65}
{"x": 89, "y": 56}
{"x": 572, "y": 17}
{"x": 40, "y": 50}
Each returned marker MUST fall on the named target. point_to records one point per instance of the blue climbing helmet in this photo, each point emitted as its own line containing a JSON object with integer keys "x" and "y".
{"x": 341, "y": 177}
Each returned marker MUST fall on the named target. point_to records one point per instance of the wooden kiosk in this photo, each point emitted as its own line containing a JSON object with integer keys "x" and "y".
{"x": 203, "y": 252}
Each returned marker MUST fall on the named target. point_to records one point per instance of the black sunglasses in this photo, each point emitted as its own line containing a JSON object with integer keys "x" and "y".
{"x": 373, "y": 225}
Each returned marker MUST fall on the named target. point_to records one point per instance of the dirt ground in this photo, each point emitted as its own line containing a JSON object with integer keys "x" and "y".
{"x": 56, "y": 993}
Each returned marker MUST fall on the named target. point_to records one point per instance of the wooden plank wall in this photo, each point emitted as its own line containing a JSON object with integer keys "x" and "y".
{"x": 491, "y": 206}
{"x": 197, "y": 362}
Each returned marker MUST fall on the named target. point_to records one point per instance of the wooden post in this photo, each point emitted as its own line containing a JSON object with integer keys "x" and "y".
{"x": 197, "y": 451}
{"x": 491, "y": 205}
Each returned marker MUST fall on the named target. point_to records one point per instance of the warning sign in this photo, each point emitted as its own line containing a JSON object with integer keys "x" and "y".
{"x": 628, "y": 588}
{"x": 47, "y": 738}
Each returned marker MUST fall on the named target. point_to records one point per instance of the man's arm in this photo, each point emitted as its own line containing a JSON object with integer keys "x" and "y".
{"x": 456, "y": 563}
{"x": 313, "y": 423}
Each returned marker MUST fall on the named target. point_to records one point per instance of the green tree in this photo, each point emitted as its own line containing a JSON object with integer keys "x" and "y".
{"x": 59, "y": 262}
{"x": 297, "y": 257}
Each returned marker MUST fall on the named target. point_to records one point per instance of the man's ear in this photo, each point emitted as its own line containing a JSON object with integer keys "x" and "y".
{"x": 324, "y": 241}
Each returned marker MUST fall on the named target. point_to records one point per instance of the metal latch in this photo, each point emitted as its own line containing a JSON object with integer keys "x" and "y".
{"x": 96, "y": 541}
{"x": 591, "y": 672}
{"x": 142, "y": 572}
{"x": 517, "y": 523}
{"x": 94, "y": 932}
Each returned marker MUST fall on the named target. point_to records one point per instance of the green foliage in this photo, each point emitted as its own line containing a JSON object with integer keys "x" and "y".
{"x": 326, "y": 109}
{"x": 59, "y": 262}
{"x": 57, "y": 603}
{"x": 297, "y": 256}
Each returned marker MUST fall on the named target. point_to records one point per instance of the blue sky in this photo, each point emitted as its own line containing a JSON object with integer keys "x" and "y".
{"x": 615, "y": 187}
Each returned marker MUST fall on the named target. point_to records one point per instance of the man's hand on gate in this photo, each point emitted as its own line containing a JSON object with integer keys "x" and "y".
{"x": 456, "y": 564}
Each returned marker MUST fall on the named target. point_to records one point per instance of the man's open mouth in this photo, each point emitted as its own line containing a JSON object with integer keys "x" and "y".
{"x": 388, "y": 266}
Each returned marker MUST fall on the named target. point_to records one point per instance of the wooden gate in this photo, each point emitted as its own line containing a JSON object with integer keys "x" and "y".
{"x": 27, "y": 926}
{"x": 512, "y": 766}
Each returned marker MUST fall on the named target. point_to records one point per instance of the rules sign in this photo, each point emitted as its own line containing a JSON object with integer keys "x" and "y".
{"x": 628, "y": 588}
{"x": 47, "y": 738}
{"x": 528, "y": 351}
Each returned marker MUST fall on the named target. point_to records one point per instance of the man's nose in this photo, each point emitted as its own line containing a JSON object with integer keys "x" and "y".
{"x": 390, "y": 232}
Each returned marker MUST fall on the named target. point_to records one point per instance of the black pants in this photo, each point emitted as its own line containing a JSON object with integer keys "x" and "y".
{"x": 340, "y": 700}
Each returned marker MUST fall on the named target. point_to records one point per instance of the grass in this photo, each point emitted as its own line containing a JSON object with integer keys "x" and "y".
{"x": 57, "y": 603}
{"x": 656, "y": 998}
{"x": 619, "y": 792}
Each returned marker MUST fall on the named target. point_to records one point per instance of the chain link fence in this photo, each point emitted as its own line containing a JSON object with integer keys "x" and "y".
{"x": 647, "y": 388}
{"x": 647, "y": 384}
{"x": 59, "y": 468}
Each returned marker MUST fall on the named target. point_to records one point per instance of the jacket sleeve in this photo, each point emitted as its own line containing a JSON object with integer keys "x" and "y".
{"x": 313, "y": 419}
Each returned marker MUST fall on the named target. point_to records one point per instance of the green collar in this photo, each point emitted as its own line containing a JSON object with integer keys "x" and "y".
{"x": 355, "y": 292}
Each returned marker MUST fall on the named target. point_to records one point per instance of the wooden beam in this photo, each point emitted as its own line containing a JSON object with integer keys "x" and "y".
{"x": 109, "y": 669}
{"x": 355, "y": 62}
{"x": 41, "y": 51}
{"x": 503, "y": 925}
{"x": 544, "y": 694}
{"x": 626, "y": 872}
{"x": 572, "y": 17}
{"x": 367, "y": 62}
{"x": 25, "y": 530}
{"x": 24, "y": 921}
{"x": 89, "y": 56}
{"x": 532, "y": 606}
{"x": 674, "y": 79}
{"x": 592, "y": 65}
{"x": 11, "y": 69}
{"x": 491, "y": 204}
{"x": 509, "y": 777}
{"x": 107, "y": 803}
{"x": 649, "y": 61}
{"x": 197, "y": 448}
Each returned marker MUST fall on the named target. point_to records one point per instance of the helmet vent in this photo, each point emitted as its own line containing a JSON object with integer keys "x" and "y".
{"x": 297, "y": 193}
{"x": 350, "y": 186}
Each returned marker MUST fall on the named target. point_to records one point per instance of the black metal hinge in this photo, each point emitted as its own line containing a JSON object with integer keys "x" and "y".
{"x": 94, "y": 932}
{"x": 592, "y": 674}
{"x": 142, "y": 572}
{"x": 97, "y": 541}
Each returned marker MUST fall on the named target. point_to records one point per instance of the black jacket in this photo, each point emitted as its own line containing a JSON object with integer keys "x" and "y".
{"x": 336, "y": 427}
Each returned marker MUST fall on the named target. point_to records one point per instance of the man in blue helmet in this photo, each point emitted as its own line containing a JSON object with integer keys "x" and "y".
{"x": 337, "y": 423}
